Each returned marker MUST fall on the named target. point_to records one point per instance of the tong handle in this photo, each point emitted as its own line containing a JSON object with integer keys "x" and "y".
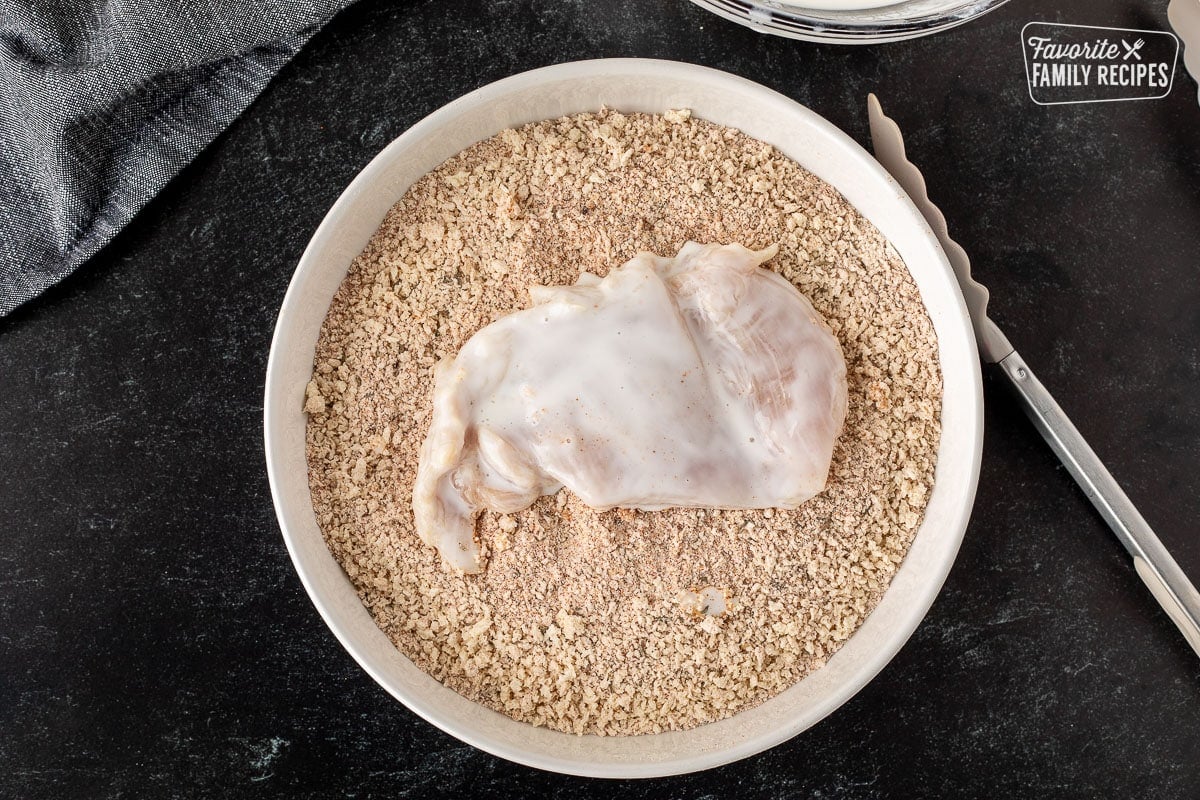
{"x": 1170, "y": 586}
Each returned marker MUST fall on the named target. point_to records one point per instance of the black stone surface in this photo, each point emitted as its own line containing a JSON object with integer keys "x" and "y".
{"x": 155, "y": 641}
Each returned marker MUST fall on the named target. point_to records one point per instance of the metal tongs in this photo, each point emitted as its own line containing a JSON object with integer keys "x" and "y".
{"x": 1167, "y": 582}
{"x": 1184, "y": 16}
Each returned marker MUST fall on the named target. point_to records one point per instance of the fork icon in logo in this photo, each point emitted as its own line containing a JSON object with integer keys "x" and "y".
{"x": 1132, "y": 50}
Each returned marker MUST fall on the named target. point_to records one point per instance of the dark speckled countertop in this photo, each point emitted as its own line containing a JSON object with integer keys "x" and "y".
{"x": 155, "y": 641}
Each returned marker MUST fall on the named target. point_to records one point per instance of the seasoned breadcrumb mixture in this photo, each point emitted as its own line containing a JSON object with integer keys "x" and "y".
{"x": 588, "y": 621}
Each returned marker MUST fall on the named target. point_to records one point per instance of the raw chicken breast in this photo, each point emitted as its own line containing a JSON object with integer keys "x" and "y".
{"x": 700, "y": 380}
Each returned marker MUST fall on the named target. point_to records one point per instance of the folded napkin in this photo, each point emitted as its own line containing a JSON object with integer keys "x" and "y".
{"x": 103, "y": 101}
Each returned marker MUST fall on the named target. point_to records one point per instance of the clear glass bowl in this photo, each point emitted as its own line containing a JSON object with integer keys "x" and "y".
{"x": 893, "y": 22}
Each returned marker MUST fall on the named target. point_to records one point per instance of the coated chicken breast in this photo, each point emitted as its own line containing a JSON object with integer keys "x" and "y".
{"x": 701, "y": 380}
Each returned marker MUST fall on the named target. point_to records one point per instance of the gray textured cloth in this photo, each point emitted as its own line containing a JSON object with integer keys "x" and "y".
{"x": 104, "y": 101}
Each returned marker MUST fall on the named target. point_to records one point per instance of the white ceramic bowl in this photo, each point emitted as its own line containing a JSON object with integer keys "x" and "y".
{"x": 648, "y": 86}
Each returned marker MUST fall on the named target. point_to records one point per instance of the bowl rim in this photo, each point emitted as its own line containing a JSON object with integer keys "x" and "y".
{"x": 819, "y": 21}
{"x": 429, "y": 711}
